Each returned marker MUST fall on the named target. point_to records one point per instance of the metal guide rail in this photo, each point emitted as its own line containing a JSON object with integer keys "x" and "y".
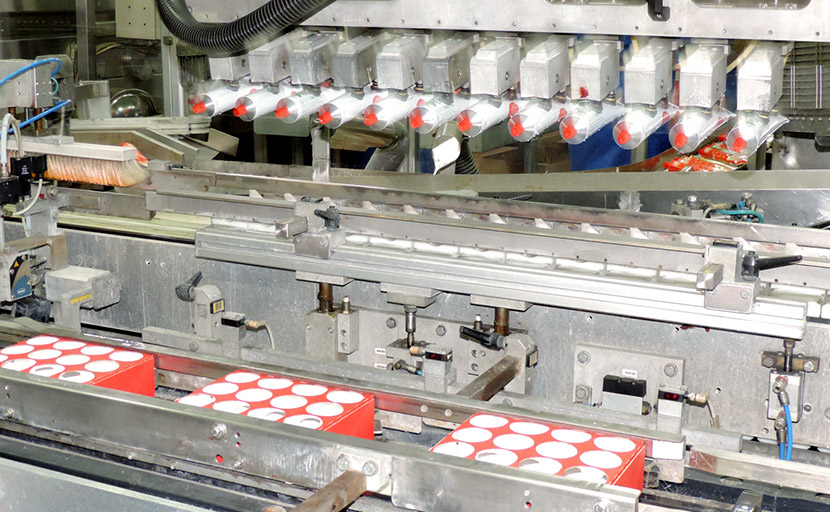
{"x": 642, "y": 265}
{"x": 118, "y": 423}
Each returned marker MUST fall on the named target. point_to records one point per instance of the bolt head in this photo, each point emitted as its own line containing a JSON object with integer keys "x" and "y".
{"x": 370, "y": 468}
{"x": 8, "y": 414}
{"x": 581, "y": 393}
{"x": 391, "y": 323}
{"x": 670, "y": 370}
{"x": 744, "y": 294}
{"x": 343, "y": 463}
{"x": 583, "y": 357}
{"x": 218, "y": 431}
{"x": 809, "y": 366}
{"x": 768, "y": 361}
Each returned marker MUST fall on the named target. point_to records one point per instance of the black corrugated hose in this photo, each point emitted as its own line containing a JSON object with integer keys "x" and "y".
{"x": 465, "y": 163}
{"x": 239, "y": 36}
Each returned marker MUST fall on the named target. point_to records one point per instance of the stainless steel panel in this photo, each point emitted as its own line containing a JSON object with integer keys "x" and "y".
{"x": 688, "y": 18}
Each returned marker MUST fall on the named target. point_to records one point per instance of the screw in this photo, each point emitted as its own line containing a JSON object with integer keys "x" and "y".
{"x": 448, "y": 412}
{"x": 238, "y": 464}
{"x": 193, "y": 346}
{"x": 391, "y": 323}
{"x": 744, "y": 294}
{"x": 342, "y": 463}
{"x": 347, "y": 305}
{"x": 440, "y": 330}
{"x": 809, "y": 366}
{"x": 370, "y": 468}
{"x": 768, "y": 361}
{"x": 218, "y": 431}
{"x": 583, "y": 357}
{"x": 424, "y": 408}
{"x": 603, "y": 506}
{"x": 8, "y": 414}
{"x": 474, "y": 367}
{"x": 581, "y": 393}
{"x": 808, "y": 408}
{"x": 670, "y": 370}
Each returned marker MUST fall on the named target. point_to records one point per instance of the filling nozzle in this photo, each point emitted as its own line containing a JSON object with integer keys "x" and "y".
{"x": 303, "y": 104}
{"x": 588, "y": 118}
{"x": 487, "y": 113}
{"x": 640, "y": 122}
{"x": 263, "y": 101}
{"x": 223, "y": 97}
{"x": 430, "y": 115}
{"x": 695, "y": 125}
{"x": 348, "y": 107}
{"x": 752, "y": 129}
{"x": 537, "y": 117}
{"x": 392, "y": 109}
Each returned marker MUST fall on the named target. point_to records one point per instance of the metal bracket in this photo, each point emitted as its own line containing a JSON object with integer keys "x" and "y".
{"x": 801, "y": 363}
{"x": 657, "y": 11}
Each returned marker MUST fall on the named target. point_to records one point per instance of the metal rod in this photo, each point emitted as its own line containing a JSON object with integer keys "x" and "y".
{"x": 85, "y": 21}
{"x": 410, "y": 324}
{"x": 325, "y": 296}
{"x": 337, "y": 495}
{"x": 501, "y": 324}
{"x": 486, "y": 385}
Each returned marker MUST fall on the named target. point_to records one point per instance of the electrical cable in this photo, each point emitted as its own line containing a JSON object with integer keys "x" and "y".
{"x": 270, "y": 336}
{"x": 31, "y": 205}
{"x": 10, "y": 124}
{"x": 45, "y": 113}
{"x": 31, "y": 66}
{"x": 782, "y": 454}
{"x": 751, "y": 213}
{"x": 251, "y": 31}
{"x": 789, "y": 454}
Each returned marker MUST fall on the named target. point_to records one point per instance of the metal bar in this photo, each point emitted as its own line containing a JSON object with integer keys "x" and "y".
{"x": 321, "y": 153}
{"x": 135, "y": 478}
{"x": 400, "y": 191}
{"x": 281, "y": 452}
{"x": 501, "y": 321}
{"x": 486, "y": 385}
{"x": 85, "y": 21}
{"x": 807, "y": 477}
{"x": 337, "y": 495}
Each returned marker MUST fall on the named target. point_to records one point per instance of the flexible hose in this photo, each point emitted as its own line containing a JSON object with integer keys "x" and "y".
{"x": 789, "y": 454}
{"x": 782, "y": 451}
{"x": 238, "y": 36}
{"x": 465, "y": 163}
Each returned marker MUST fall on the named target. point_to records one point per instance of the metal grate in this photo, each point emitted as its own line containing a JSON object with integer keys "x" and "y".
{"x": 806, "y": 85}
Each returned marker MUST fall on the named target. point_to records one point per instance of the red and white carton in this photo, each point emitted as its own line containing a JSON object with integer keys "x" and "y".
{"x": 295, "y": 402}
{"x": 548, "y": 448}
{"x": 79, "y": 361}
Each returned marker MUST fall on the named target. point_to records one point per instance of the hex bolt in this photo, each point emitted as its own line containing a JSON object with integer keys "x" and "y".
{"x": 370, "y": 468}
{"x": 583, "y": 357}
{"x": 218, "y": 431}
{"x": 670, "y": 370}
{"x": 809, "y": 366}
{"x": 440, "y": 330}
{"x": 343, "y": 463}
{"x": 768, "y": 361}
{"x": 744, "y": 294}
{"x": 581, "y": 393}
{"x": 603, "y": 506}
{"x": 391, "y": 323}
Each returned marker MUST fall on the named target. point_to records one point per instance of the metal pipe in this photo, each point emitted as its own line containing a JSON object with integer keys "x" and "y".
{"x": 391, "y": 157}
{"x": 410, "y": 324}
{"x": 325, "y": 296}
{"x": 359, "y": 137}
{"x": 501, "y": 323}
